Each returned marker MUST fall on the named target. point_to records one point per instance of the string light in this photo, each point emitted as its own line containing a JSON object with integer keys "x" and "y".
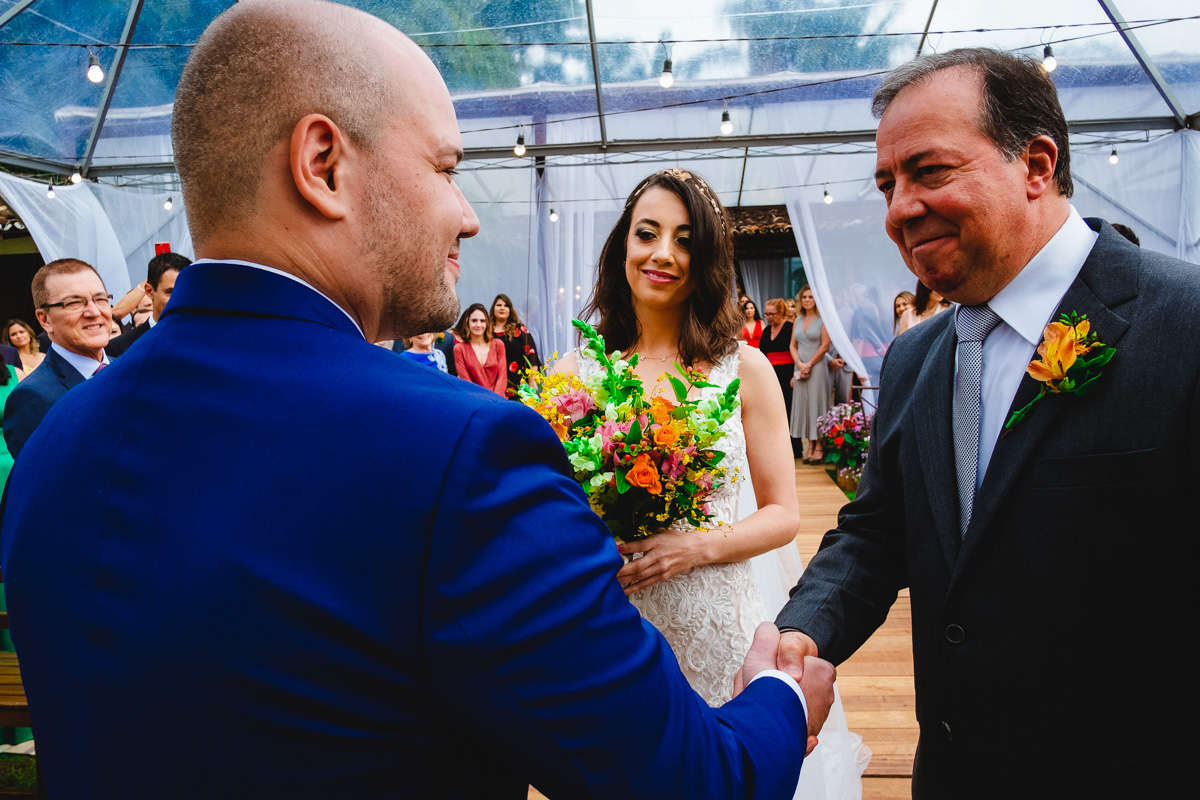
{"x": 1113, "y": 158}
{"x": 168, "y": 204}
{"x": 76, "y": 177}
{"x": 519, "y": 147}
{"x": 95, "y": 73}
{"x": 828, "y": 198}
{"x": 726, "y": 122}
{"x": 553, "y": 215}
{"x": 667, "y": 79}
{"x": 1049, "y": 62}
{"x": 50, "y": 191}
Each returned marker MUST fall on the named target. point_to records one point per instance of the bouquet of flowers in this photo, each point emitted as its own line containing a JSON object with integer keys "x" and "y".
{"x": 845, "y": 433}
{"x": 643, "y": 462}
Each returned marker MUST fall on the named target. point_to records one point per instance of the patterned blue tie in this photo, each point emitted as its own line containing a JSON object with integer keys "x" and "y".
{"x": 973, "y": 324}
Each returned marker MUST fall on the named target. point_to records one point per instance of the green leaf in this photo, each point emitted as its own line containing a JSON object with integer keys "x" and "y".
{"x": 622, "y": 484}
{"x": 716, "y": 458}
{"x": 680, "y": 412}
{"x": 635, "y": 433}
{"x": 690, "y": 488}
{"x": 680, "y": 390}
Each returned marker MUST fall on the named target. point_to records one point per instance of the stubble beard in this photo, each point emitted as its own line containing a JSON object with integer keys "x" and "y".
{"x": 428, "y": 307}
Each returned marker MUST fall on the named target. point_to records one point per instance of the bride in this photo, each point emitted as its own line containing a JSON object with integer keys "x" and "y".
{"x": 664, "y": 292}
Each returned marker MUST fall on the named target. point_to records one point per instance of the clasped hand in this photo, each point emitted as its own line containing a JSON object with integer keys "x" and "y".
{"x": 663, "y": 555}
{"x": 796, "y": 657}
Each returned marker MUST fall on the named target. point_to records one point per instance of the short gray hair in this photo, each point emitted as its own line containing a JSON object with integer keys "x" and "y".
{"x": 1019, "y": 104}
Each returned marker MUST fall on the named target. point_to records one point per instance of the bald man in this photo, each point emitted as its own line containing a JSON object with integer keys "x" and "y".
{"x": 370, "y": 580}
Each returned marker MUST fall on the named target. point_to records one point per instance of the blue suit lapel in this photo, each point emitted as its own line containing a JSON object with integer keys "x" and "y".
{"x": 1108, "y": 278}
{"x": 68, "y": 376}
{"x": 234, "y": 289}
{"x": 931, "y": 403}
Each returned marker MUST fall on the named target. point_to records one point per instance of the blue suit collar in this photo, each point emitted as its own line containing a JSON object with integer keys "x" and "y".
{"x": 224, "y": 288}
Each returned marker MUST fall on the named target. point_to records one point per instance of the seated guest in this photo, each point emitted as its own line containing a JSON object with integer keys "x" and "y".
{"x": 21, "y": 336}
{"x": 75, "y": 310}
{"x": 160, "y": 281}
{"x": 420, "y": 349}
{"x": 520, "y": 351}
{"x": 479, "y": 356}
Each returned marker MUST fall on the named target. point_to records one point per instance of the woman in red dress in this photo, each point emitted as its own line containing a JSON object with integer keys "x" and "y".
{"x": 752, "y": 330}
{"x": 479, "y": 356}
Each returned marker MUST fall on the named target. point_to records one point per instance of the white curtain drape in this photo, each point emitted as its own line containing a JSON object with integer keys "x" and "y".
{"x": 763, "y": 278}
{"x": 72, "y": 224}
{"x": 139, "y": 221}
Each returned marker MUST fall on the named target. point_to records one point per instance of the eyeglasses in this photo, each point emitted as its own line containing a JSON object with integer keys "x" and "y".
{"x": 76, "y": 304}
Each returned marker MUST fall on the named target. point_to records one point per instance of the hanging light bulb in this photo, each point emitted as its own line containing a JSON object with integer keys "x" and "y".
{"x": 169, "y": 203}
{"x": 667, "y": 79}
{"x": 1049, "y": 62}
{"x": 1113, "y": 158}
{"x": 76, "y": 177}
{"x": 519, "y": 147}
{"x": 50, "y": 190}
{"x": 828, "y": 198}
{"x": 726, "y": 122}
{"x": 95, "y": 73}
{"x": 553, "y": 215}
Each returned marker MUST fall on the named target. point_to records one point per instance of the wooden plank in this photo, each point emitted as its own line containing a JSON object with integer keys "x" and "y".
{"x": 887, "y": 788}
{"x": 891, "y": 766}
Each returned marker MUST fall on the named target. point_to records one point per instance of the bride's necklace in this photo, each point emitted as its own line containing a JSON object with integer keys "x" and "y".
{"x": 667, "y": 357}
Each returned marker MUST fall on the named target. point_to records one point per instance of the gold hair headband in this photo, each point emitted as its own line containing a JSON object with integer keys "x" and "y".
{"x": 683, "y": 176}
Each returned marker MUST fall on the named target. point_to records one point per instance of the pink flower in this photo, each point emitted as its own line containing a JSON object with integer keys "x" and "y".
{"x": 574, "y": 405}
{"x": 672, "y": 466}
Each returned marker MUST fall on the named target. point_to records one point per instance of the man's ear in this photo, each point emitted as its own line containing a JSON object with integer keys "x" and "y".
{"x": 148, "y": 289}
{"x": 43, "y": 319}
{"x": 1041, "y": 157}
{"x": 317, "y": 157}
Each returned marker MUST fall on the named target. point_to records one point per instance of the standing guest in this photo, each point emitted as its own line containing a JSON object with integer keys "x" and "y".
{"x": 1050, "y": 556}
{"x": 20, "y": 335}
{"x": 926, "y": 305}
{"x": 520, "y": 351}
{"x": 161, "y": 273}
{"x": 1127, "y": 232}
{"x": 75, "y": 310}
{"x": 752, "y": 330}
{"x": 420, "y": 349}
{"x": 478, "y": 355}
{"x": 811, "y": 387}
{"x": 8, "y": 382}
{"x": 467, "y": 614}
{"x": 840, "y": 375}
{"x": 775, "y": 345}
{"x": 791, "y": 309}
{"x": 445, "y": 345}
{"x": 143, "y": 312}
{"x": 903, "y": 302}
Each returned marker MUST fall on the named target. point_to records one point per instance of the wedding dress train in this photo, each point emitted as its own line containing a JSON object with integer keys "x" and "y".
{"x": 708, "y": 614}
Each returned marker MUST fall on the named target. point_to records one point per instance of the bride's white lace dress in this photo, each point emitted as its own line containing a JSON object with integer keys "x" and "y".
{"x": 708, "y": 614}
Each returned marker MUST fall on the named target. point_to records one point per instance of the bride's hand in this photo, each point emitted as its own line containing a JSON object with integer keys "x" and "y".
{"x": 664, "y": 555}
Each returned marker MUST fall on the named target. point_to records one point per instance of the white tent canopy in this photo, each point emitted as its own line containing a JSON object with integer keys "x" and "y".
{"x": 578, "y": 80}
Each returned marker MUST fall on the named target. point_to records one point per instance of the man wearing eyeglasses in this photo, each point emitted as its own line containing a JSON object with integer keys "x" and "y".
{"x": 75, "y": 310}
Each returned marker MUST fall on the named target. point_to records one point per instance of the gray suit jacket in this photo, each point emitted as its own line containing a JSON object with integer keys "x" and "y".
{"x": 32, "y": 398}
{"x": 1081, "y": 552}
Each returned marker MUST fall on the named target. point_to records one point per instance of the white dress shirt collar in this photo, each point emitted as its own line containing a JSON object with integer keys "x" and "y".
{"x": 1029, "y": 299}
{"x": 85, "y": 365}
{"x": 289, "y": 275}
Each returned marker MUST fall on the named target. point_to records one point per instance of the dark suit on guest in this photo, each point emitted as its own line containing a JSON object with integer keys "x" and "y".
{"x": 10, "y": 355}
{"x": 34, "y": 396}
{"x": 121, "y": 343}
{"x": 1081, "y": 552}
{"x": 435, "y": 615}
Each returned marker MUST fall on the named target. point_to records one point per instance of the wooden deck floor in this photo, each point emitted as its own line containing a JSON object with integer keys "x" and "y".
{"x": 877, "y": 683}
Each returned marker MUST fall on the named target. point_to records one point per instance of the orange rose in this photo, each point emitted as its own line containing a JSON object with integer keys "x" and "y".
{"x": 660, "y": 410}
{"x": 643, "y": 473}
{"x": 666, "y": 435}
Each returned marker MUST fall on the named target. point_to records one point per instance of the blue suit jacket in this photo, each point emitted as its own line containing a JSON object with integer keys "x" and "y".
{"x": 360, "y": 580}
{"x": 32, "y": 398}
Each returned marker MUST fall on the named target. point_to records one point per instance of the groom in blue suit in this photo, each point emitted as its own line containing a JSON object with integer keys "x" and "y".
{"x": 353, "y": 577}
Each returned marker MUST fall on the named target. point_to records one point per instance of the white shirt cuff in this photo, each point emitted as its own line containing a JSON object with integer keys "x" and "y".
{"x": 783, "y": 676}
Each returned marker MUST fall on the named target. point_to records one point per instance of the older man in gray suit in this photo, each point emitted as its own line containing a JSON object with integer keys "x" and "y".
{"x": 1051, "y": 562}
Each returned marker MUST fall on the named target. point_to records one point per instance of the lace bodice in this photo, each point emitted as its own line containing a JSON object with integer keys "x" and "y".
{"x": 708, "y": 614}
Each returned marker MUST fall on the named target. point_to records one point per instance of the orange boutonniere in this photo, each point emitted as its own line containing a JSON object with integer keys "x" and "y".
{"x": 1070, "y": 360}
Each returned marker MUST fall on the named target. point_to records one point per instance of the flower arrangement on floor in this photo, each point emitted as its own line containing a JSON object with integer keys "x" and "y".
{"x": 643, "y": 462}
{"x": 845, "y": 433}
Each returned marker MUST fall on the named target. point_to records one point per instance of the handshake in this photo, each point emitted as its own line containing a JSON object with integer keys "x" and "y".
{"x": 794, "y": 653}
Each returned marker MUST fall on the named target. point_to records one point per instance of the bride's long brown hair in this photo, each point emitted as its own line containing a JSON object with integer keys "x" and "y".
{"x": 712, "y": 322}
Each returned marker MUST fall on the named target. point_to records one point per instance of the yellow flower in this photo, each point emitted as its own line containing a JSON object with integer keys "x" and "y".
{"x": 1058, "y": 350}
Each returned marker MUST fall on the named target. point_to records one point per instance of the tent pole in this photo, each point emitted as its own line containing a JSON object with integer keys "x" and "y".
{"x": 1143, "y": 59}
{"x": 135, "y": 10}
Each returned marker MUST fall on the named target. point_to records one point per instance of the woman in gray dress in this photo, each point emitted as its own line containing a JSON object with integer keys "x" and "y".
{"x": 811, "y": 389}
